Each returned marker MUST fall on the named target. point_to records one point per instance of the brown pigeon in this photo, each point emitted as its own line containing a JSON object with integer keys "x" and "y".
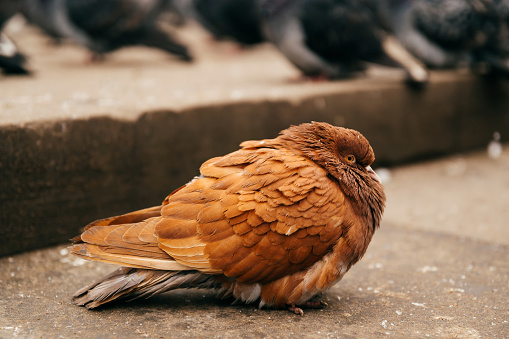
{"x": 278, "y": 221}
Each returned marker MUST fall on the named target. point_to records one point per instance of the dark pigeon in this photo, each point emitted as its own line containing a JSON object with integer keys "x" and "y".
{"x": 446, "y": 33}
{"x": 493, "y": 56}
{"x": 334, "y": 38}
{"x": 230, "y": 19}
{"x": 104, "y": 25}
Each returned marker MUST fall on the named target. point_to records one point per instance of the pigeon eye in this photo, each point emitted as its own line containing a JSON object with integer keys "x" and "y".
{"x": 350, "y": 158}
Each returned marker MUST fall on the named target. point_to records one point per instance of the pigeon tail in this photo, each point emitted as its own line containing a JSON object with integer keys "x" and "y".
{"x": 133, "y": 283}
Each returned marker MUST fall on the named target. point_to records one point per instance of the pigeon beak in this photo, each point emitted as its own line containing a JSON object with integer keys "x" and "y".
{"x": 373, "y": 175}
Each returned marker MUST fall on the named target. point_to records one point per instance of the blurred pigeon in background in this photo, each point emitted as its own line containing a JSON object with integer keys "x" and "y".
{"x": 11, "y": 60}
{"x": 445, "y": 33}
{"x": 104, "y": 25}
{"x": 493, "y": 57}
{"x": 334, "y": 38}
{"x": 227, "y": 19}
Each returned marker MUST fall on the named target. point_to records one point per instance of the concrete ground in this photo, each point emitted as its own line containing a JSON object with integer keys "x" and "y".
{"x": 438, "y": 267}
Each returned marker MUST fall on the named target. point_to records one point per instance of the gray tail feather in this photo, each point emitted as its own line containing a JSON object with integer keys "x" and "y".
{"x": 133, "y": 283}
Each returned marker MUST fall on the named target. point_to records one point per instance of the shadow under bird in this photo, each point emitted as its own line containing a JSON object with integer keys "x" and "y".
{"x": 104, "y": 26}
{"x": 334, "y": 38}
{"x": 446, "y": 33}
{"x": 278, "y": 221}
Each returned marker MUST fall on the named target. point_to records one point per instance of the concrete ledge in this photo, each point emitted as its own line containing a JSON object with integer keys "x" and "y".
{"x": 71, "y": 162}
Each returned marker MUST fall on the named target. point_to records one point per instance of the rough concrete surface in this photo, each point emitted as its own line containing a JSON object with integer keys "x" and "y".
{"x": 438, "y": 267}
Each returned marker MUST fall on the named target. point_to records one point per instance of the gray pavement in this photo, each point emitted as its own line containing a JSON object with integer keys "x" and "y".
{"x": 438, "y": 267}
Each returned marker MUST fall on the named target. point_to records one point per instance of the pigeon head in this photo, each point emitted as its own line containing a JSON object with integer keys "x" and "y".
{"x": 330, "y": 146}
{"x": 347, "y": 156}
